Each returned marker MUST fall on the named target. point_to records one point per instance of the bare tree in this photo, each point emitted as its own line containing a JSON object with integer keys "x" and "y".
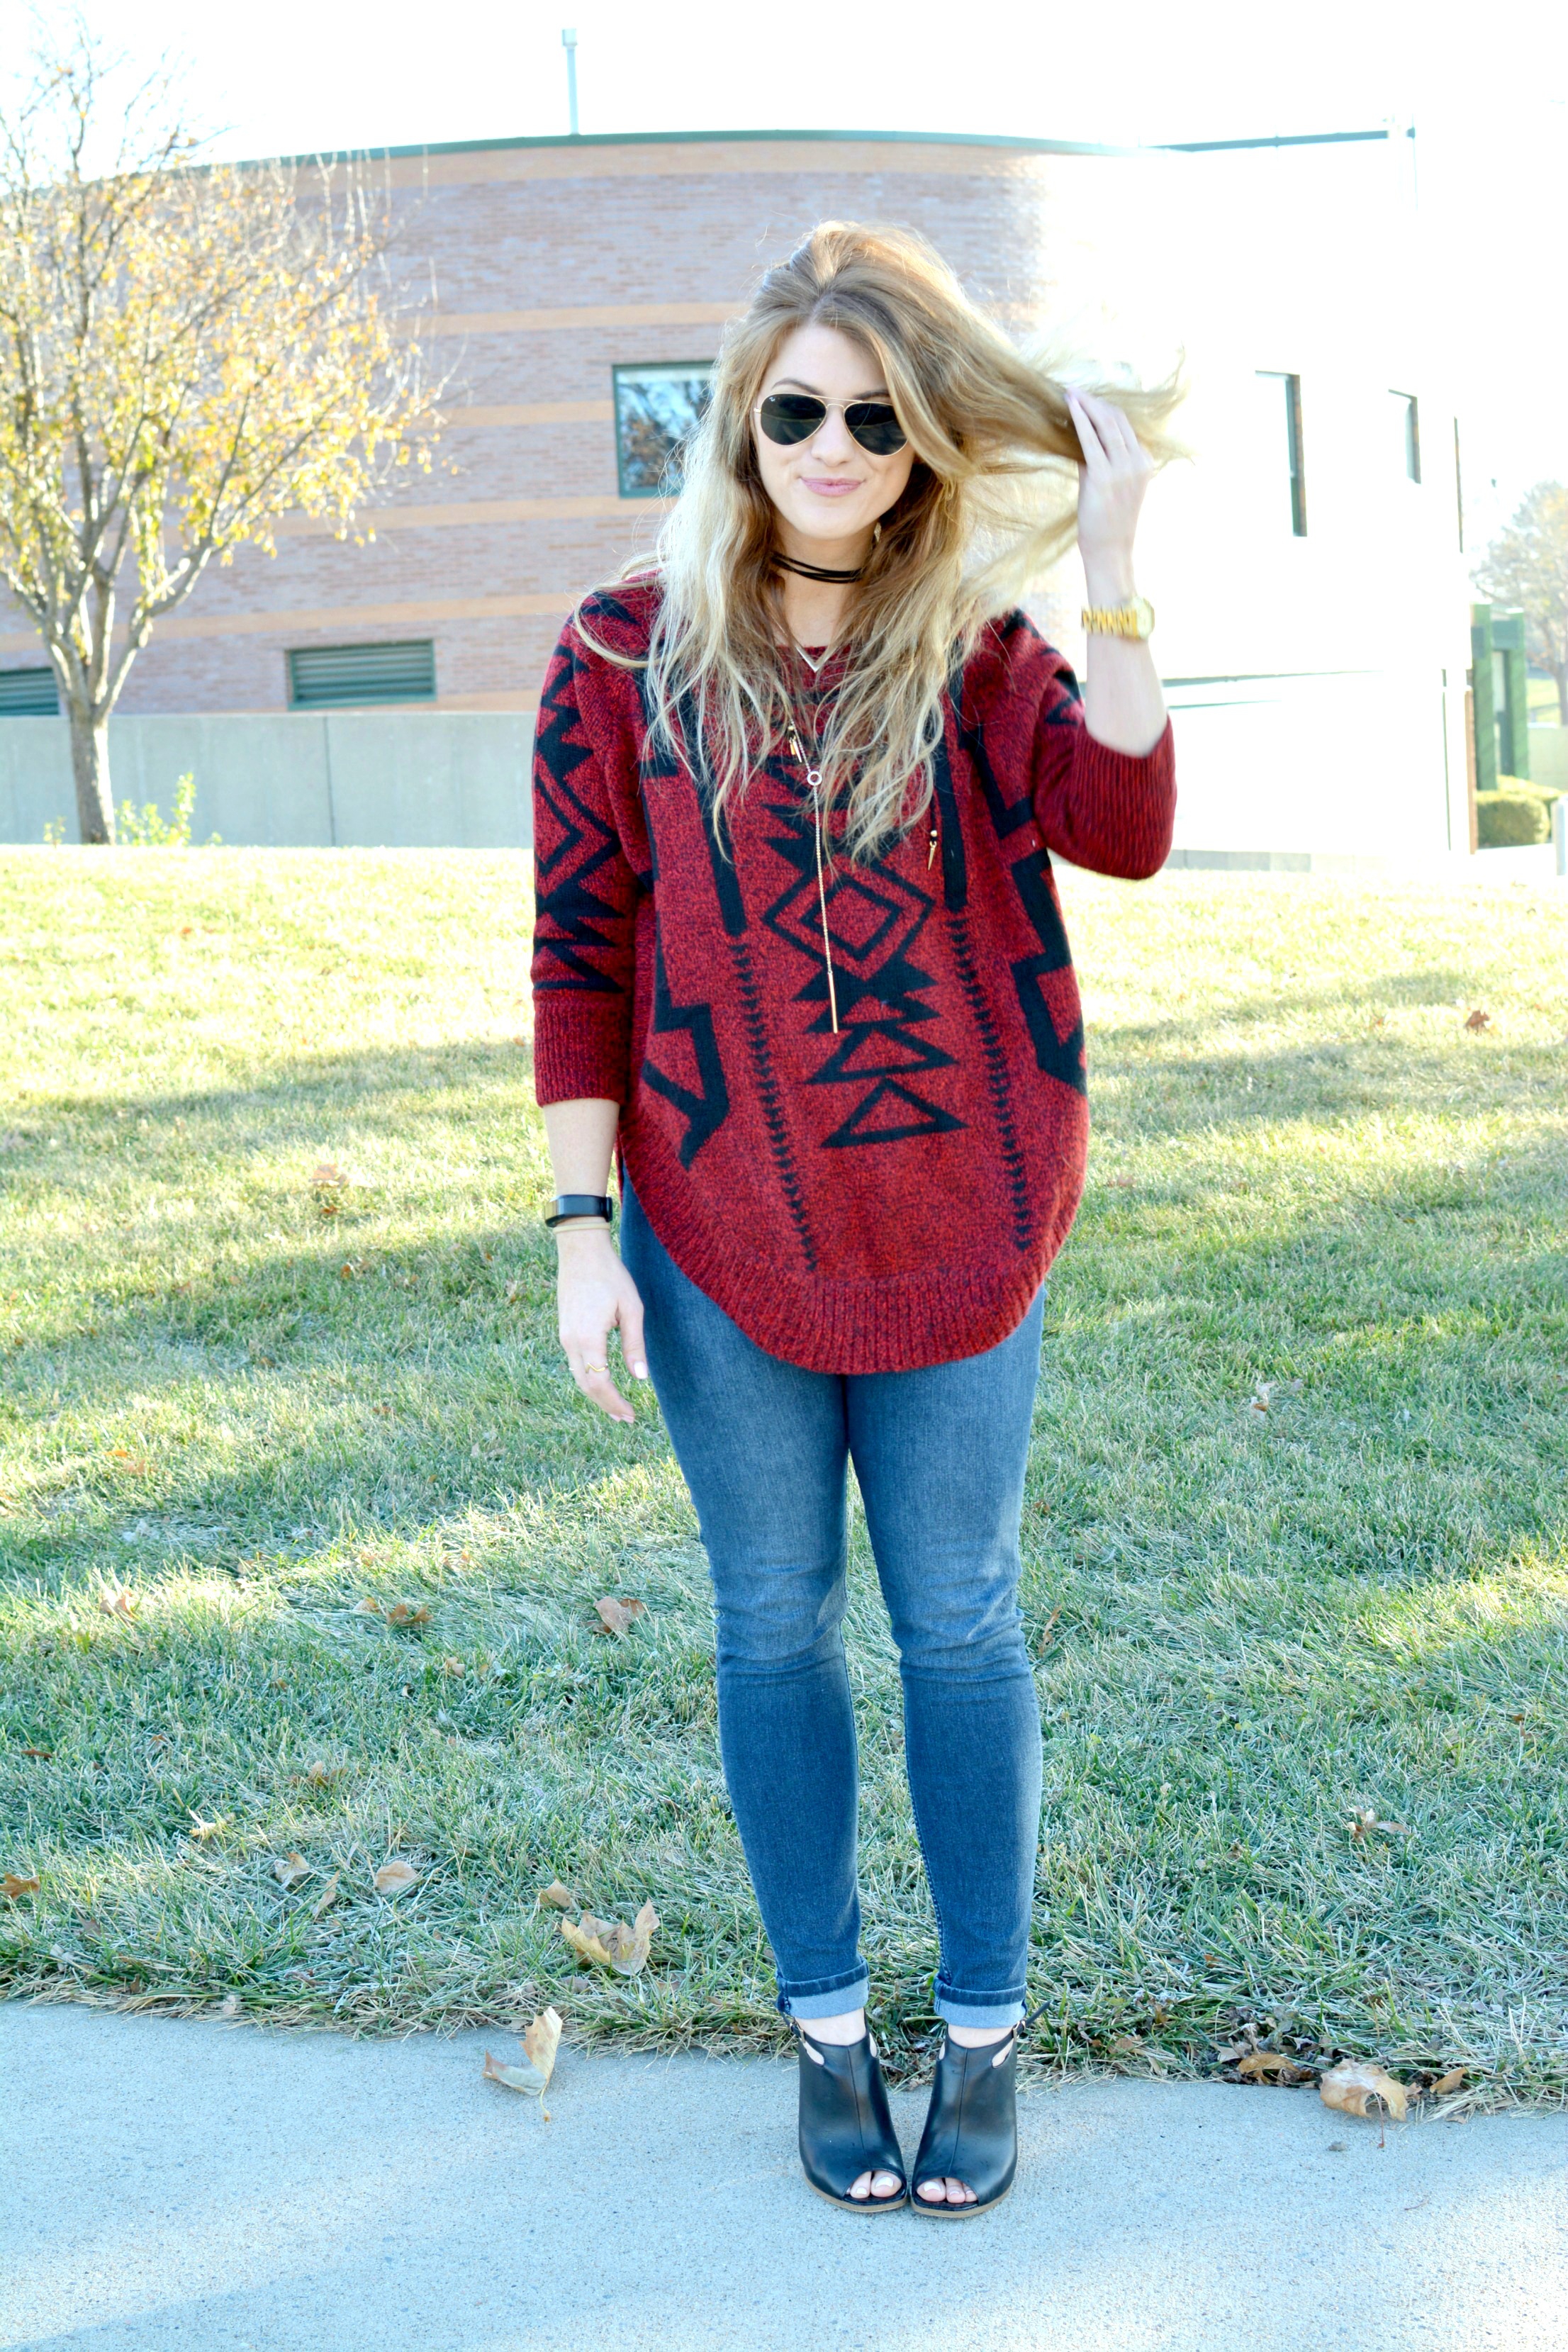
{"x": 187, "y": 353}
{"x": 1526, "y": 569}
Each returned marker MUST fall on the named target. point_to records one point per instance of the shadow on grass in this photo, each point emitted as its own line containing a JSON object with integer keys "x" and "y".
{"x": 415, "y": 1390}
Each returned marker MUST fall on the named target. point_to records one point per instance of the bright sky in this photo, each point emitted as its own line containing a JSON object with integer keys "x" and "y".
{"x": 1491, "y": 109}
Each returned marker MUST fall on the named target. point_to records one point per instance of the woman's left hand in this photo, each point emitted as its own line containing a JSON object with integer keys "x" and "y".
{"x": 1114, "y": 475}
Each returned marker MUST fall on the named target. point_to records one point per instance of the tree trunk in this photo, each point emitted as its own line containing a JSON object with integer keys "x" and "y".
{"x": 89, "y": 766}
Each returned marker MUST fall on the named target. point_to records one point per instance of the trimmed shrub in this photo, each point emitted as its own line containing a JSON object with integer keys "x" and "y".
{"x": 1514, "y": 816}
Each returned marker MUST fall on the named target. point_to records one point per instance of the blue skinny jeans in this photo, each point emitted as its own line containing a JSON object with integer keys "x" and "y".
{"x": 939, "y": 1456}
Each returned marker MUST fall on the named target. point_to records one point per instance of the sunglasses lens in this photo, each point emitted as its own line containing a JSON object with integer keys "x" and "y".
{"x": 875, "y": 427}
{"x": 790, "y": 416}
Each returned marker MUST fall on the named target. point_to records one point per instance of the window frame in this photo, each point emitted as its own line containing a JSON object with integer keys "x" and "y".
{"x": 1412, "y": 422}
{"x": 671, "y": 369}
{"x": 1295, "y": 446}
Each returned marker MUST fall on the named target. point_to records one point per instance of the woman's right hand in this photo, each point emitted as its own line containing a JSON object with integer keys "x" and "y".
{"x": 596, "y": 1295}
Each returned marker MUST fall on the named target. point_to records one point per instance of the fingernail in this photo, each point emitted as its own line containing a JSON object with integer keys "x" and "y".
{"x": 639, "y": 1372}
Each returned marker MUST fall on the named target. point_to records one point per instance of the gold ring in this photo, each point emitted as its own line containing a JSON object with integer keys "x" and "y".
{"x": 589, "y": 1370}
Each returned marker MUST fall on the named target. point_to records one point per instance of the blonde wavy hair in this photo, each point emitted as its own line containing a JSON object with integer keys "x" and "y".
{"x": 988, "y": 508}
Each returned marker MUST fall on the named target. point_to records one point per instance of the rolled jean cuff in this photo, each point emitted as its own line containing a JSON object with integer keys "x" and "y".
{"x": 979, "y": 2010}
{"x": 831, "y": 1999}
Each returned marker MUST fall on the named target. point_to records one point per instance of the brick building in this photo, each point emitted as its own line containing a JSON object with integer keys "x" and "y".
{"x": 580, "y": 285}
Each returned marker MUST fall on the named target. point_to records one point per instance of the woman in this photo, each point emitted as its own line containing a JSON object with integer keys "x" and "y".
{"x": 800, "y": 963}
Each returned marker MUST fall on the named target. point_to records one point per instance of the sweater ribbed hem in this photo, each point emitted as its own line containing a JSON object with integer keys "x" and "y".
{"x": 891, "y": 1323}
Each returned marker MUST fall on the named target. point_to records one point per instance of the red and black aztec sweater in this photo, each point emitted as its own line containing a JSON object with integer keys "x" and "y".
{"x": 889, "y": 1196}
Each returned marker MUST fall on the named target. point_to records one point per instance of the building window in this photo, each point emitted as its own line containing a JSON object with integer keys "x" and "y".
{"x": 1282, "y": 415}
{"x": 1407, "y": 426}
{"x": 330, "y": 677}
{"x": 28, "y": 694}
{"x": 657, "y": 409}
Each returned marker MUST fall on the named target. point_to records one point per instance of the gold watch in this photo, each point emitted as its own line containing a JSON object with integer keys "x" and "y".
{"x": 1133, "y": 620}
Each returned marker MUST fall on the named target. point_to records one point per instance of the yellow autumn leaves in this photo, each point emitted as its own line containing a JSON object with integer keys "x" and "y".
{"x": 602, "y": 1943}
{"x": 606, "y": 1943}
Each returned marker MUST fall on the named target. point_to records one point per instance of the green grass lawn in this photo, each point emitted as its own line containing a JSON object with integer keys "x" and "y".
{"x": 246, "y": 1401}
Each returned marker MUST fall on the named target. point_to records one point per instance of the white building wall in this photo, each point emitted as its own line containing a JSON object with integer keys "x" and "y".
{"x": 1318, "y": 682}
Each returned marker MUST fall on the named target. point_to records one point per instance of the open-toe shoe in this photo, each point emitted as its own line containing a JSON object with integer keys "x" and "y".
{"x": 846, "y": 2127}
{"x": 970, "y": 2130}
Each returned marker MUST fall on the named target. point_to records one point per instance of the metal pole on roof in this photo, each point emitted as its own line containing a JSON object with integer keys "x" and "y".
{"x": 569, "y": 43}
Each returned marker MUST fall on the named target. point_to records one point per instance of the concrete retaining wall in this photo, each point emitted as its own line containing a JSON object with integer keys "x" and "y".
{"x": 353, "y": 779}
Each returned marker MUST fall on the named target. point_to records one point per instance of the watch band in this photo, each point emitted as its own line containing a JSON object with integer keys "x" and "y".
{"x": 583, "y": 1204}
{"x": 1133, "y": 620}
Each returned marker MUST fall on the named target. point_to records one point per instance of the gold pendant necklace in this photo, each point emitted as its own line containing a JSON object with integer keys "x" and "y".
{"x": 814, "y": 779}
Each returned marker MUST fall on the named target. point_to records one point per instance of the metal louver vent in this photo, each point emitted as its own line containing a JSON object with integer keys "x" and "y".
{"x": 28, "y": 694}
{"x": 325, "y": 678}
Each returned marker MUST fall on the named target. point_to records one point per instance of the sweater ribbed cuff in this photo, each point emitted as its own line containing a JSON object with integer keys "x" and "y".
{"x": 582, "y": 1047}
{"x": 1123, "y": 807}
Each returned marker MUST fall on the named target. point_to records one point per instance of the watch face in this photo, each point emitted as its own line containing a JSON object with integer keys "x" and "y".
{"x": 1144, "y": 613}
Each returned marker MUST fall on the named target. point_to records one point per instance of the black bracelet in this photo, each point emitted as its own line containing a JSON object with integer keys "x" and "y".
{"x": 583, "y": 1204}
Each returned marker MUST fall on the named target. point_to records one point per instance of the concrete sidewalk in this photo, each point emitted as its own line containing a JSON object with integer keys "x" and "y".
{"x": 179, "y": 2187}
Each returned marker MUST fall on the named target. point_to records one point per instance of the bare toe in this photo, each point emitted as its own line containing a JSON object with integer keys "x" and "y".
{"x": 862, "y": 2187}
{"x": 885, "y": 2184}
{"x": 933, "y": 2193}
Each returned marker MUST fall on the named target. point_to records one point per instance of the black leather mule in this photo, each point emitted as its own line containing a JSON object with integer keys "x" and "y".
{"x": 971, "y": 2127}
{"x": 846, "y": 2127}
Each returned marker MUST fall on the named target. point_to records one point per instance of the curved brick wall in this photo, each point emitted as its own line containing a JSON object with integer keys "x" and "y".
{"x": 553, "y": 261}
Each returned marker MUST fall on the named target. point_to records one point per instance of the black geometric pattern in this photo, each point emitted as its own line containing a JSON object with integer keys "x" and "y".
{"x": 574, "y": 918}
{"x": 875, "y": 918}
{"x": 893, "y": 1114}
{"x": 706, "y": 1107}
{"x": 1060, "y": 1057}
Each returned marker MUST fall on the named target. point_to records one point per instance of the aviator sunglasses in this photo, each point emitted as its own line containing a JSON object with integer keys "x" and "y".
{"x": 788, "y": 417}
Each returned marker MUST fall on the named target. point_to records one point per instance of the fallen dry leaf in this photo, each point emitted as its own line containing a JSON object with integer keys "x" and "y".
{"x": 201, "y": 1830}
{"x": 1126, "y": 2045}
{"x": 320, "y": 1776}
{"x": 408, "y": 1612}
{"x": 118, "y": 1600}
{"x": 327, "y": 1895}
{"x": 541, "y": 2039}
{"x": 618, "y": 1616}
{"x": 561, "y": 1896}
{"x": 610, "y": 1943}
{"x": 1259, "y": 2065}
{"x": 13, "y": 1888}
{"x": 1364, "y": 1820}
{"x": 514, "y": 1290}
{"x": 395, "y": 1877}
{"x": 367, "y": 1608}
{"x": 453, "y": 1666}
{"x": 229, "y": 2005}
{"x": 541, "y": 2042}
{"x": 290, "y": 1869}
{"x": 1447, "y": 2085}
{"x": 328, "y": 1174}
{"x": 136, "y": 1463}
{"x": 1047, "y": 1633}
{"x": 1354, "y": 2081}
{"x": 1479, "y": 1020}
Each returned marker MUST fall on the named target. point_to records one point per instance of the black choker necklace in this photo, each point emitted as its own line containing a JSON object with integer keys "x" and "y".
{"x": 816, "y": 572}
